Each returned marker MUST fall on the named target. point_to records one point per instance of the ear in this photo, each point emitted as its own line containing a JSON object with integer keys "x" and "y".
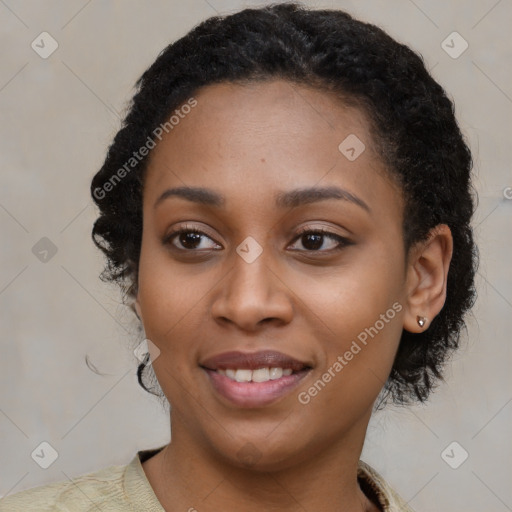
{"x": 427, "y": 274}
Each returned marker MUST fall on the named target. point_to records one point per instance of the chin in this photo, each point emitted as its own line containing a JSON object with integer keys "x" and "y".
{"x": 248, "y": 455}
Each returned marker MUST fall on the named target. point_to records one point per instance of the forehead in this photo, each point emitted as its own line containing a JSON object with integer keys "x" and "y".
{"x": 266, "y": 136}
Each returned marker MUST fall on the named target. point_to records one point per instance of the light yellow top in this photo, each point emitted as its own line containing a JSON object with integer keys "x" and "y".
{"x": 126, "y": 488}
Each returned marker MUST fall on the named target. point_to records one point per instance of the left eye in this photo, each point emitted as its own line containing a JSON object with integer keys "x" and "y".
{"x": 314, "y": 239}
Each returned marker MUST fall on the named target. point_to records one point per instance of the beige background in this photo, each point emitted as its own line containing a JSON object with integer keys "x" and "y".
{"x": 58, "y": 116}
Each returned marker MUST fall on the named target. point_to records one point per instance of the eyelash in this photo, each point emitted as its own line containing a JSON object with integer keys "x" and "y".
{"x": 342, "y": 241}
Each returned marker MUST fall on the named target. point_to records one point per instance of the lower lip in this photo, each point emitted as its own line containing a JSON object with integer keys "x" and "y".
{"x": 254, "y": 394}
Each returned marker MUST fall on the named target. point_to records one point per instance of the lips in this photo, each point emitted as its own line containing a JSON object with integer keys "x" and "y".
{"x": 254, "y": 379}
{"x": 253, "y": 361}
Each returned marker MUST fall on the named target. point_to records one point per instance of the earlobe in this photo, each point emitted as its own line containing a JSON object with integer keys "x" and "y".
{"x": 427, "y": 276}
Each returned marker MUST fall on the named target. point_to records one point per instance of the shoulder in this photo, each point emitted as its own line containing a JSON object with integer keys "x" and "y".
{"x": 374, "y": 486}
{"x": 102, "y": 489}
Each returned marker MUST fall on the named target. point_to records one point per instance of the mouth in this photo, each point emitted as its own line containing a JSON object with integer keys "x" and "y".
{"x": 254, "y": 379}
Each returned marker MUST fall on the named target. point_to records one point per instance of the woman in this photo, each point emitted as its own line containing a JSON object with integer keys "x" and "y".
{"x": 287, "y": 207}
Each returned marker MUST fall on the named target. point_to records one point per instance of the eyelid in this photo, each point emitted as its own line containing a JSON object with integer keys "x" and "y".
{"x": 342, "y": 241}
{"x": 318, "y": 229}
{"x": 185, "y": 228}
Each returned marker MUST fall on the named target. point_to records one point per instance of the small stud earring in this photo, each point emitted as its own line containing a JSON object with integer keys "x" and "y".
{"x": 421, "y": 320}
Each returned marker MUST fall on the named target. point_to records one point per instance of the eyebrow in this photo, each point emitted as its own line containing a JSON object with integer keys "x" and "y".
{"x": 288, "y": 199}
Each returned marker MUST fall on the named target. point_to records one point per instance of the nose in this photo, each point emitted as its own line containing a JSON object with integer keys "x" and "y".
{"x": 253, "y": 294}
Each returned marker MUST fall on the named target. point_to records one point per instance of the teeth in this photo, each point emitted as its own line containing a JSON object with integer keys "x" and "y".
{"x": 243, "y": 375}
{"x": 259, "y": 375}
{"x": 276, "y": 373}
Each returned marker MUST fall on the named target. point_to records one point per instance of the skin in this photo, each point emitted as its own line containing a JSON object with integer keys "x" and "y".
{"x": 249, "y": 142}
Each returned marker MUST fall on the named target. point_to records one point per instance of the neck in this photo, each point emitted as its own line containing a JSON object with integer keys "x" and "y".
{"x": 186, "y": 476}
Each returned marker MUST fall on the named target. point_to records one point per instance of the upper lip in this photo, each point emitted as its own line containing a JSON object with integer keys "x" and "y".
{"x": 253, "y": 361}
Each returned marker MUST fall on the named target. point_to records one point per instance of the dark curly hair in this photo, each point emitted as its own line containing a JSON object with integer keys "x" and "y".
{"x": 413, "y": 125}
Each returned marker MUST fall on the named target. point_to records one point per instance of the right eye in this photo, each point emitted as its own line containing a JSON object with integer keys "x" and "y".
{"x": 189, "y": 239}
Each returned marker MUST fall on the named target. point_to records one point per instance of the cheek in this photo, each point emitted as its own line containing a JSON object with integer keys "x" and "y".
{"x": 167, "y": 302}
{"x": 168, "y": 291}
{"x": 358, "y": 351}
{"x": 168, "y": 298}
{"x": 351, "y": 297}
{"x": 358, "y": 312}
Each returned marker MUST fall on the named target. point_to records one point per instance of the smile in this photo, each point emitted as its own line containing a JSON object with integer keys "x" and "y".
{"x": 254, "y": 379}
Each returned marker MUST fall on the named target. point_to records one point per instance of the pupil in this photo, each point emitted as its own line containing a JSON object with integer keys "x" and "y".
{"x": 187, "y": 237}
{"x": 317, "y": 241}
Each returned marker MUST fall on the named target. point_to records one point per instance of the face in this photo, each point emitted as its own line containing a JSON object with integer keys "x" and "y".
{"x": 291, "y": 258}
